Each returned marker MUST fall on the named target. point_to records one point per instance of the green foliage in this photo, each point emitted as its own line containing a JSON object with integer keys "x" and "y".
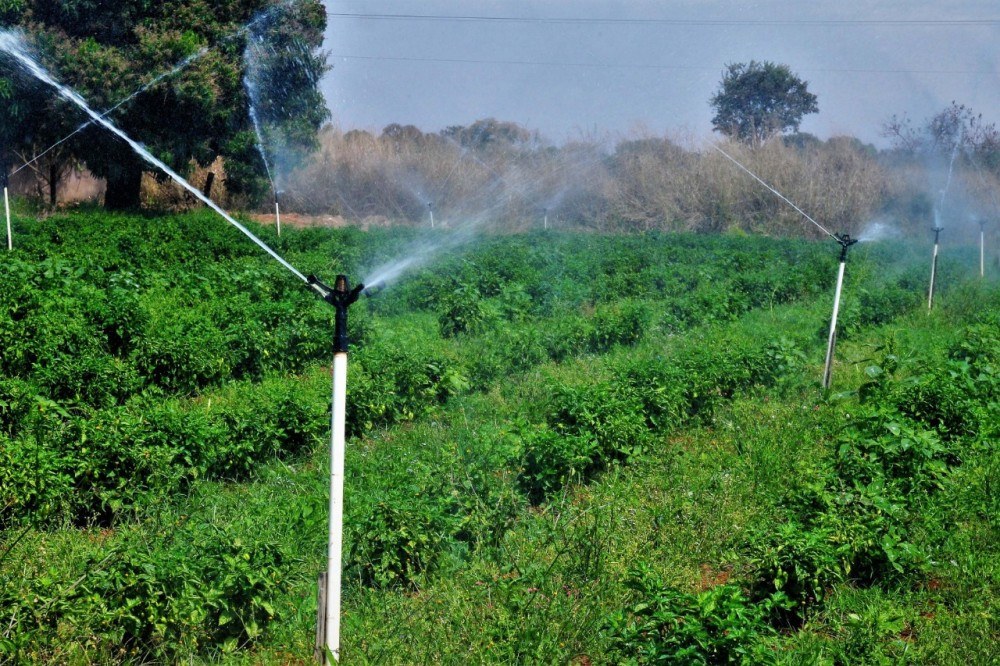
{"x": 607, "y": 429}
{"x": 463, "y": 311}
{"x": 717, "y": 626}
{"x": 396, "y": 543}
{"x": 553, "y": 461}
{"x": 201, "y": 592}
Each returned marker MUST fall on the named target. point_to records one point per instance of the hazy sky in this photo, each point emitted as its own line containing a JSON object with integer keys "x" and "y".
{"x": 567, "y": 67}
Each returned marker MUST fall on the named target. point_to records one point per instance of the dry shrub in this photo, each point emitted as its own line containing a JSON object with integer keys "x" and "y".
{"x": 164, "y": 194}
{"x": 643, "y": 182}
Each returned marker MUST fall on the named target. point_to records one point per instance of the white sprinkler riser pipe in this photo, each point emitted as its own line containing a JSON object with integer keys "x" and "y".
{"x": 828, "y": 368}
{"x": 930, "y": 292}
{"x": 6, "y": 208}
{"x": 546, "y": 223}
{"x": 335, "y": 546}
{"x": 982, "y": 253}
{"x": 432, "y": 219}
{"x": 277, "y": 216}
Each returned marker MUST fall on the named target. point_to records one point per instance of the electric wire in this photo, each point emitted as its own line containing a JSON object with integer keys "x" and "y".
{"x": 776, "y": 192}
{"x": 639, "y": 66}
{"x": 470, "y": 18}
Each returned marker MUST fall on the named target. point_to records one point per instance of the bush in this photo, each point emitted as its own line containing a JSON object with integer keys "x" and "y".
{"x": 610, "y": 414}
{"x": 666, "y": 626}
{"x": 209, "y": 590}
{"x": 623, "y": 323}
{"x": 551, "y": 461}
{"x": 183, "y": 356}
{"x": 463, "y": 310}
{"x": 397, "y": 541}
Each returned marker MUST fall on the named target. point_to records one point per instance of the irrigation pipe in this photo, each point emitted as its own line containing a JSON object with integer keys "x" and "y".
{"x": 776, "y": 193}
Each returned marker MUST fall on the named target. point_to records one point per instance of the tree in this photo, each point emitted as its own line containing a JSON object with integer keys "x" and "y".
{"x": 757, "y": 100}
{"x": 491, "y": 133}
{"x": 954, "y": 128}
{"x": 106, "y": 51}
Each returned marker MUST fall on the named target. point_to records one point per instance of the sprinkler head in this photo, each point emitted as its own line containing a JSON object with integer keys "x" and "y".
{"x": 340, "y": 297}
{"x": 845, "y": 241}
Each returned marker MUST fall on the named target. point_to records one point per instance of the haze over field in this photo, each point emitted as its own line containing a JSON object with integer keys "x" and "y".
{"x": 570, "y": 67}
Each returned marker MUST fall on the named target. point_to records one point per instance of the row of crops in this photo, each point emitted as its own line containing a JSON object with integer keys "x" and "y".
{"x": 153, "y": 367}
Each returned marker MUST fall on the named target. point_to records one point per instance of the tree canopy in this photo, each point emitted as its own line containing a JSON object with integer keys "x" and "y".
{"x": 107, "y": 51}
{"x": 757, "y": 100}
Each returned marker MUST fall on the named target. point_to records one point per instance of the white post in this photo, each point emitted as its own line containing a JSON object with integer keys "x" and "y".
{"x": 431, "y": 212}
{"x": 335, "y": 545}
{"x": 545, "y": 223}
{"x": 832, "y": 340}
{"x": 982, "y": 251}
{"x": 930, "y": 292}
{"x": 277, "y": 215}
{"x": 6, "y": 207}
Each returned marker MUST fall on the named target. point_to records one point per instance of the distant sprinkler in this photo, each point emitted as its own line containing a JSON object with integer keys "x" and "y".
{"x": 430, "y": 211}
{"x": 982, "y": 248}
{"x": 545, "y": 218}
{"x": 6, "y": 208}
{"x": 277, "y": 211}
{"x": 845, "y": 241}
{"x": 934, "y": 257}
{"x": 6, "y": 200}
{"x": 341, "y": 297}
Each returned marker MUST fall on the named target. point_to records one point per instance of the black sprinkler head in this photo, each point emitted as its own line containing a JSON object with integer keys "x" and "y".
{"x": 340, "y": 297}
{"x": 845, "y": 241}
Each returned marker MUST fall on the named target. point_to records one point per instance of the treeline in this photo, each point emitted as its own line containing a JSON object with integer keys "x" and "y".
{"x": 499, "y": 173}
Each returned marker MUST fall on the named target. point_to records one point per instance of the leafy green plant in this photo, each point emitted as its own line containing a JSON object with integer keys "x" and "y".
{"x": 720, "y": 625}
{"x": 552, "y": 460}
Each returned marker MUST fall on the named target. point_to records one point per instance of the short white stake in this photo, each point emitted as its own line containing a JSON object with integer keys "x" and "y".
{"x": 6, "y": 208}
{"x": 277, "y": 214}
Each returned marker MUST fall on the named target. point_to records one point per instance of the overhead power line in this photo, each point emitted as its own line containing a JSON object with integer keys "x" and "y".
{"x": 981, "y": 22}
{"x": 607, "y": 65}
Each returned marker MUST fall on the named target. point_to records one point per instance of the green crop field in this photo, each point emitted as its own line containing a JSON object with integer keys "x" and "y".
{"x": 563, "y": 448}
